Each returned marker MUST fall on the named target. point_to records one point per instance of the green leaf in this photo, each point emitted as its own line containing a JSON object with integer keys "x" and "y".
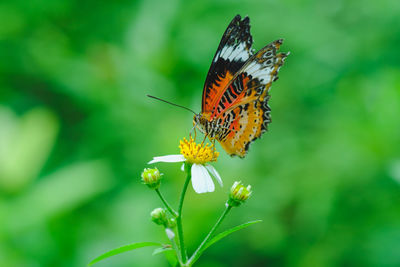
{"x": 223, "y": 234}
{"x": 161, "y": 250}
{"x": 169, "y": 253}
{"x": 228, "y": 232}
{"x": 122, "y": 250}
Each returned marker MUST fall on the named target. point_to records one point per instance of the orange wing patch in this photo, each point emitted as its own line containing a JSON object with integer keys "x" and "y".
{"x": 215, "y": 91}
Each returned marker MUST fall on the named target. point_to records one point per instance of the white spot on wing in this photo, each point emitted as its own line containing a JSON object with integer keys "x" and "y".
{"x": 226, "y": 51}
{"x": 259, "y": 71}
{"x": 235, "y": 53}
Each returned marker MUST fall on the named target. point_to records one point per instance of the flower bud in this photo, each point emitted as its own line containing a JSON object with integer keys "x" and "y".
{"x": 159, "y": 216}
{"x": 170, "y": 234}
{"x": 171, "y": 223}
{"x": 151, "y": 177}
{"x": 238, "y": 194}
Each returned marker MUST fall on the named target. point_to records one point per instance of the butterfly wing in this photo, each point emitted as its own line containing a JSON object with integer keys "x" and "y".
{"x": 232, "y": 53}
{"x": 242, "y": 111}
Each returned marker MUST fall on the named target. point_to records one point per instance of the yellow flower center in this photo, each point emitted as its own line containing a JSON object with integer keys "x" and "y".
{"x": 197, "y": 153}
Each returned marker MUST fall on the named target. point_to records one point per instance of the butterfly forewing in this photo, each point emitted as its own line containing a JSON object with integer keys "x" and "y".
{"x": 232, "y": 53}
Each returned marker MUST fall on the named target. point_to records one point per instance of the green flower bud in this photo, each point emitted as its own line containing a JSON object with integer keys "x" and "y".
{"x": 151, "y": 177}
{"x": 171, "y": 223}
{"x": 238, "y": 194}
{"x": 159, "y": 216}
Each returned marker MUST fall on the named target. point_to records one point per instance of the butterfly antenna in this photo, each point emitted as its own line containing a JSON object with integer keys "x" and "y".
{"x": 172, "y": 103}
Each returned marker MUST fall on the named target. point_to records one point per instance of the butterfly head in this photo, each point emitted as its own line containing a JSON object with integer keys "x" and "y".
{"x": 206, "y": 125}
{"x": 200, "y": 122}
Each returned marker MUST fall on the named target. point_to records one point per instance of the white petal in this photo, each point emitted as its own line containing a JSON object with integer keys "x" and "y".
{"x": 235, "y": 184}
{"x": 201, "y": 180}
{"x": 214, "y": 172}
{"x": 168, "y": 158}
{"x": 183, "y": 167}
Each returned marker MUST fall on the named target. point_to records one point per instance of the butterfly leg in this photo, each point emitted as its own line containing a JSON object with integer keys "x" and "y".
{"x": 204, "y": 139}
{"x": 193, "y": 130}
{"x": 213, "y": 144}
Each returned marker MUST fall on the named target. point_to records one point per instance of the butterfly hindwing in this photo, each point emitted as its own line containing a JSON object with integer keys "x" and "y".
{"x": 232, "y": 53}
{"x": 246, "y": 123}
{"x": 246, "y": 117}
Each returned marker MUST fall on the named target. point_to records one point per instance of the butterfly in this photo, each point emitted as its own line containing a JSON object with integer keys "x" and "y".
{"x": 235, "y": 109}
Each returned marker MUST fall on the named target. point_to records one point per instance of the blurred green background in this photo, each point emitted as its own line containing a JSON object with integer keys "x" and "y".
{"x": 76, "y": 130}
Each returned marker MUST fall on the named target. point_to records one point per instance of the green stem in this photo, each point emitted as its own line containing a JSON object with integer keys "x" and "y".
{"x": 179, "y": 218}
{"x": 176, "y": 248}
{"x": 198, "y": 251}
{"x": 169, "y": 208}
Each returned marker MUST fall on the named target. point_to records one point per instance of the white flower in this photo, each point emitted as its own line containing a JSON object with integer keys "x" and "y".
{"x": 198, "y": 156}
{"x": 201, "y": 178}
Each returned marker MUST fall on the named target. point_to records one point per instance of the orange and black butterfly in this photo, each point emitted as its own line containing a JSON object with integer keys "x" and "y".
{"x": 235, "y": 108}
